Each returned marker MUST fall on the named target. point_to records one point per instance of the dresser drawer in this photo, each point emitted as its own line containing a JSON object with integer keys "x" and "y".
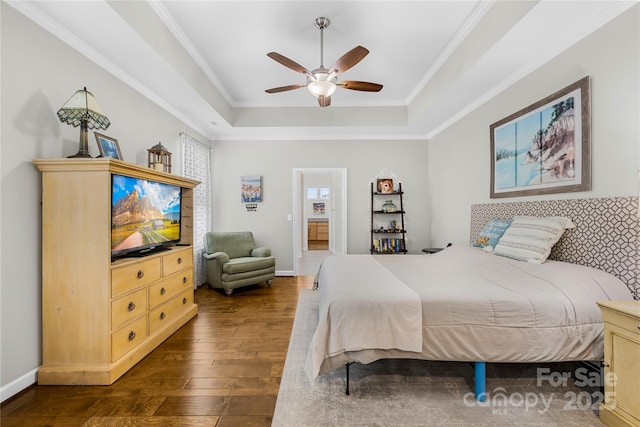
{"x": 169, "y": 287}
{"x": 177, "y": 260}
{"x": 129, "y": 276}
{"x": 166, "y": 313}
{"x": 128, "y": 337}
{"x": 128, "y": 307}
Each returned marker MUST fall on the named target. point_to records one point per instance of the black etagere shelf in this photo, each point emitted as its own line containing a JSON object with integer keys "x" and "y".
{"x": 388, "y": 235}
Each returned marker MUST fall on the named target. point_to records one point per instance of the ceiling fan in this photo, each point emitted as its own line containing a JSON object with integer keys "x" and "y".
{"x": 323, "y": 82}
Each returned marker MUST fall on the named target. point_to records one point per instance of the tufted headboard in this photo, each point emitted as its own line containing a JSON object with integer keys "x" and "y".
{"x": 607, "y": 233}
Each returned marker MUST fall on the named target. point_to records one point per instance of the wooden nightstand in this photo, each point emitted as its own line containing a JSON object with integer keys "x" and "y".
{"x": 621, "y": 405}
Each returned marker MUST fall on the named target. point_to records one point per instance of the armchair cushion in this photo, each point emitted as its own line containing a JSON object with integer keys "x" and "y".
{"x": 240, "y": 265}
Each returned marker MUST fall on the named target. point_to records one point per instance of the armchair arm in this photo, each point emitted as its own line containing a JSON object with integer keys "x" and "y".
{"x": 261, "y": 252}
{"x": 221, "y": 257}
{"x": 214, "y": 263}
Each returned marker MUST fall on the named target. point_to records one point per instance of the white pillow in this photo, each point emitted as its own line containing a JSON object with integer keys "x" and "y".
{"x": 531, "y": 238}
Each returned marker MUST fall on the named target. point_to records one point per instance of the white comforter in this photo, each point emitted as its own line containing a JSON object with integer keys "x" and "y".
{"x": 459, "y": 304}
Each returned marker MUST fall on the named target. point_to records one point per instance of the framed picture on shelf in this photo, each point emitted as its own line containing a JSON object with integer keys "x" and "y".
{"x": 108, "y": 146}
{"x": 544, "y": 148}
{"x": 385, "y": 185}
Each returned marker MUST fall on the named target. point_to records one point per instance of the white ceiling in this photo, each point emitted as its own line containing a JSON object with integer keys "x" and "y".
{"x": 206, "y": 61}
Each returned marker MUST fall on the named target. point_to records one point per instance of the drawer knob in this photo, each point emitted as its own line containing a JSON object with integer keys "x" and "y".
{"x": 163, "y": 291}
{"x": 185, "y": 280}
{"x": 131, "y": 305}
{"x": 132, "y": 336}
{"x": 184, "y": 300}
{"x": 162, "y": 316}
{"x": 638, "y": 326}
{"x": 140, "y": 274}
{"x": 179, "y": 260}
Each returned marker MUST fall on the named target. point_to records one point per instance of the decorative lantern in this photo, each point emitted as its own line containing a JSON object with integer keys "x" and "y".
{"x": 159, "y": 158}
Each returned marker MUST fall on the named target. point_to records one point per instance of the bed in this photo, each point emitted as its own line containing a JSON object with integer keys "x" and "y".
{"x": 466, "y": 304}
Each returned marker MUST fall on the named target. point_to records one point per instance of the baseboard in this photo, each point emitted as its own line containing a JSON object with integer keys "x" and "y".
{"x": 19, "y": 384}
{"x": 284, "y": 273}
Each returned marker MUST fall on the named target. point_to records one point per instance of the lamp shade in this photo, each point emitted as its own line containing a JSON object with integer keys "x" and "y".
{"x": 83, "y": 105}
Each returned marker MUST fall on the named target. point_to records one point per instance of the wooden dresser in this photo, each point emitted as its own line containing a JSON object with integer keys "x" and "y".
{"x": 621, "y": 405}
{"x": 99, "y": 318}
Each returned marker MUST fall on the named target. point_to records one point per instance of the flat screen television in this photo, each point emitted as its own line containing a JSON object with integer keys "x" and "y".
{"x": 145, "y": 216}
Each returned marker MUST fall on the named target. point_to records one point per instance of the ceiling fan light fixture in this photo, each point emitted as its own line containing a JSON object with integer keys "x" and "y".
{"x": 321, "y": 86}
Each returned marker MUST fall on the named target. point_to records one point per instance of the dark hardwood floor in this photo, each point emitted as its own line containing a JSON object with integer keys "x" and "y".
{"x": 221, "y": 369}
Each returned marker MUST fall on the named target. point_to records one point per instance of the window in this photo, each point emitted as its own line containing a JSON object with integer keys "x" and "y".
{"x": 317, "y": 193}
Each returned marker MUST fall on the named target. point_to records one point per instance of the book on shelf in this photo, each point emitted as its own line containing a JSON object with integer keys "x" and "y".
{"x": 389, "y": 244}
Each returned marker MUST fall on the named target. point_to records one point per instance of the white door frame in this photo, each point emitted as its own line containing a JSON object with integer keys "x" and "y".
{"x": 339, "y": 187}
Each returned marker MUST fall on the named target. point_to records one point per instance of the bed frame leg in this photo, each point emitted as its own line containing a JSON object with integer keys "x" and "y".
{"x": 346, "y": 365}
{"x": 480, "y": 381}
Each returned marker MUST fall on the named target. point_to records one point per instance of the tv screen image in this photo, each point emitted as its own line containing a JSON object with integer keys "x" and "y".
{"x": 145, "y": 215}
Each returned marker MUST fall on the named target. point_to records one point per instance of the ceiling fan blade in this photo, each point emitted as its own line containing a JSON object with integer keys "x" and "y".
{"x": 350, "y": 59}
{"x": 288, "y": 63}
{"x": 324, "y": 101}
{"x": 363, "y": 86}
{"x": 284, "y": 88}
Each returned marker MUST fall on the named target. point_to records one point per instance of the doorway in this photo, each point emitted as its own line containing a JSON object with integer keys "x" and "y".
{"x": 319, "y": 212}
{"x": 316, "y": 210}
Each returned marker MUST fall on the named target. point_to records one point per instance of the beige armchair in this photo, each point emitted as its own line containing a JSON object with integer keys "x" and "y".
{"x": 232, "y": 260}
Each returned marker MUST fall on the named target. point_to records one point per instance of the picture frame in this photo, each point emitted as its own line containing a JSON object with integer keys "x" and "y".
{"x": 384, "y": 185}
{"x": 544, "y": 148}
{"x": 108, "y": 146}
{"x": 318, "y": 208}
{"x": 251, "y": 189}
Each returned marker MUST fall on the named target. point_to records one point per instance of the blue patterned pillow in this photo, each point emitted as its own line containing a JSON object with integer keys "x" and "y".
{"x": 491, "y": 234}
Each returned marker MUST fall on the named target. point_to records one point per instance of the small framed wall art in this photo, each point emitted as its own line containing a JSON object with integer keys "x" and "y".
{"x": 108, "y": 146}
{"x": 251, "y": 189}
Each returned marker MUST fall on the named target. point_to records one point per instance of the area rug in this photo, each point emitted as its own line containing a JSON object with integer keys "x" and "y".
{"x": 430, "y": 393}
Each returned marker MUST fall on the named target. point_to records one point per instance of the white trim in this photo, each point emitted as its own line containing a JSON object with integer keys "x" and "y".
{"x": 18, "y": 385}
{"x": 36, "y": 15}
{"x": 450, "y": 49}
{"x": 281, "y": 273}
{"x": 296, "y": 217}
{"x": 186, "y": 43}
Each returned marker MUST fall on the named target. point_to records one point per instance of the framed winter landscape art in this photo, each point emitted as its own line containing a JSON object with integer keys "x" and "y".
{"x": 544, "y": 148}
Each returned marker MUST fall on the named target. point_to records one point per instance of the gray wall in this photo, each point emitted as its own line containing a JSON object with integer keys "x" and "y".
{"x": 459, "y": 159}
{"x": 275, "y": 161}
